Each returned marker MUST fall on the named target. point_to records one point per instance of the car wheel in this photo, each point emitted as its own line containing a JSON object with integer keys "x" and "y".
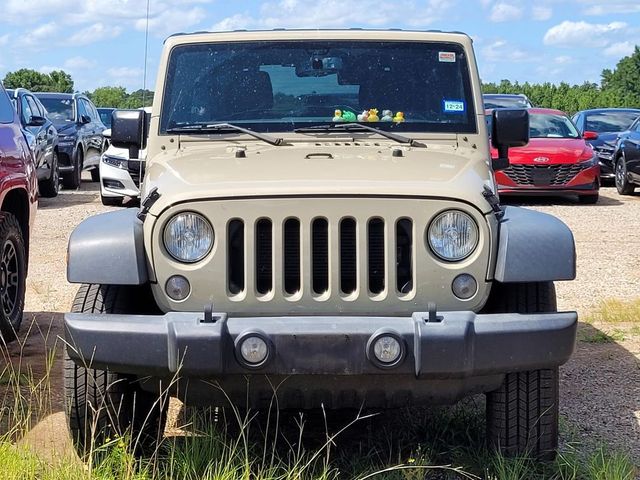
{"x": 111, "y": 201}
{"x": 95, "y": 175}
{"x": 13, "y": 274}
{"x": 623, "y": 185}
{"x": 72, "y": 179}
{"x": 51, "y": 186}
{"x": 588, "y": 199}
{"x": 522, "y": 415}
{"x": 101, "y": 404}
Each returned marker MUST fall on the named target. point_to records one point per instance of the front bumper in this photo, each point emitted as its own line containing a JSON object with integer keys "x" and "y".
{"x": 110, "y": 174}
{"x": 453, "y": 345}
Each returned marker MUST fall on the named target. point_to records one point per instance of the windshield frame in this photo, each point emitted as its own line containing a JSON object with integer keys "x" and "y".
{"x": 290, "y": 125}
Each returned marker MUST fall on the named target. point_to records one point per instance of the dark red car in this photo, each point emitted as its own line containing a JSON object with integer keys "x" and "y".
{"x": 557, "y": 160}
{"x": 18, "y": 203}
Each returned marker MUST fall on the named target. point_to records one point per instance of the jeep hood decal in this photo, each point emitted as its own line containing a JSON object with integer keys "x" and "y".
{"x": 205, "y": 170}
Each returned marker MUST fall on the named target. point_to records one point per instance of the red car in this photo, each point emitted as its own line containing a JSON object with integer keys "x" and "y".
{"x": 18, "y": 203}
{"x": 557, "y": 160}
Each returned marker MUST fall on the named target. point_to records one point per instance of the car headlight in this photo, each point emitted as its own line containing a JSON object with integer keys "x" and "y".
{"x": 453, "y": 235}
{"x": 116, "y": 161}
{"x": 188, "y": 237}
{"x": 65, "y": 138}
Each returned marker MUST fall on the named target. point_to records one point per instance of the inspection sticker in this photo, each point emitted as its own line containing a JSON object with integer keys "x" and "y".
{"x": 453, "y": 106}
{"x": 449, "y": 57}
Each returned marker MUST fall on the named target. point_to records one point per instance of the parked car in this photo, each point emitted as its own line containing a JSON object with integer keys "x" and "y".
{"x": 120, "y": 176}
{"x": 557, "y": 161}
{"x": 18, "y": 203}
{"x": 607, "y": 123}
{"x": 505, "y": 100}
{"x": 626, "y": 159}
{"x": 354, "y": 263}
{"x": 80, "y": 130}
{"x": 105, "y": 115}
{"x": 42, "y": 138}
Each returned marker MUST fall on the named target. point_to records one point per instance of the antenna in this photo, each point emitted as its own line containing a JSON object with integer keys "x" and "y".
{"x": 146, "y": 43}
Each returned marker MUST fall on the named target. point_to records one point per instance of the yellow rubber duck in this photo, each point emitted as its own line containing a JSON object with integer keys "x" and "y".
{"x": 399, "y": 117}
{"x": 337, "y": 116}
{"x": 373, "y": 115}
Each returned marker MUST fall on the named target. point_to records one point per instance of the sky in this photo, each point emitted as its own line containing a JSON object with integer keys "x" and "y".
{"x": 102, "y": 42}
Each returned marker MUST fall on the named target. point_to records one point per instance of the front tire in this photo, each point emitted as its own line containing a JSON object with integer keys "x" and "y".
{"x": 101, "y": 404}
{"x": 50, "y": 187}
{"x": 13, "y": 276}
{"x": 72, "y": 179}
{"x": 623, "y": 185}
{"x": 95, "y": 174}
{"x": 522, "y": 415}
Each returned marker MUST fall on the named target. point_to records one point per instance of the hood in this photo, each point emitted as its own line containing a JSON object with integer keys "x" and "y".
{"x": 65, "y": 128}
{"x": 604, "y": 137}
{"x": 200, "y": 170}
{"x": 556, "y": 150}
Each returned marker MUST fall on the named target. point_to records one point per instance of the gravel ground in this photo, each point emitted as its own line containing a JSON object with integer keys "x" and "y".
{"x": 600, "y": 397}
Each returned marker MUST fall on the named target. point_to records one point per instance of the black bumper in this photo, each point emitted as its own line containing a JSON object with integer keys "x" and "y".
{"x": 455, "y": 345}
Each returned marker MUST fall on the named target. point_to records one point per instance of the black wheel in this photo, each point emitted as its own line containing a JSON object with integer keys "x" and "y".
{"x": 13, "y": 275}
{"x": 623, "y": 185}
{"x": 71, "y": 180}
{"x": 522, "y": 415}
{"x": 95, "y": 174}
{"x": 111, "y": 201}
{"x": 51, "y": 186}
{"x": 101, "y": 404}
{"x": 588, "y": 199}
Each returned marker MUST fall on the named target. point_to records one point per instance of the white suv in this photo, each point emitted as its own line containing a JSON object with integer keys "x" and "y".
{"x": 120, "y": 176}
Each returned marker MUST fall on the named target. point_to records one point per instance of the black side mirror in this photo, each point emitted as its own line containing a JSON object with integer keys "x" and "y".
{"x": 510, "y": 129}
{"x": 129, "y": 130}
{"x": 85, "y": 119}
{"x": 36, "y": 121}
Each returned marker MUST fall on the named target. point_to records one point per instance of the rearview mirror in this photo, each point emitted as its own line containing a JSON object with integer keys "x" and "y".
{"x": 129, "y": 131}
{"x": 510, "y": 128}
{"x": 588, "y": 135}
{"x": 36, "y": 121}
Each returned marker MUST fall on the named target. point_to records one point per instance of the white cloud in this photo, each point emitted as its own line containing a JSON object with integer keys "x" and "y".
{"x": 94, "y": 33}
{"x": 171, "y": 21}
{"x": 505, "y": 12}
{"x": 339, "y": 14}
{"x": 583, "y": 34}
{"x": 39, "y": 37}
{"x": 619, "y": 49}
{"x": 598, "y": 7}
{"x": 563, "y": 60}
{"x": 541, "y": 13}
{"x": 125, "y": 72}
{"x": 503, "y": 51}
{"x": 79, "y": 63}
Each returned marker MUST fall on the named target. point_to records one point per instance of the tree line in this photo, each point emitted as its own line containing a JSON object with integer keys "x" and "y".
{"x": 619, "y": 87}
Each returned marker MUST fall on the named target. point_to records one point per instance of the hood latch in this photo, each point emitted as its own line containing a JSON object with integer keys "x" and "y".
{"x": 494, "y": 201}
{"x": 147, "y": 203}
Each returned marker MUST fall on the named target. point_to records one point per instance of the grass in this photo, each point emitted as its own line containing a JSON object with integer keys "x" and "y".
{"x": 441, "y": 443}
{"x": 598, "y": 336}
{"x": 616, "y": 311}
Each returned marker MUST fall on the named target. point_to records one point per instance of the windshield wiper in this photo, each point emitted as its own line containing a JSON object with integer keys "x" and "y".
{"x": 358, "y": 127}
{"x": 224, "y": 128}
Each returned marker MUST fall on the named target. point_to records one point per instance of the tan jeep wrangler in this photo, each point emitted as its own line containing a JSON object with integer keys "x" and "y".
{"x": 319, "y": 212}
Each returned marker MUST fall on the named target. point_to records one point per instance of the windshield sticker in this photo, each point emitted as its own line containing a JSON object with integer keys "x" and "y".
{"x": 453, "y": 106}
{"x": 448, "y": 57}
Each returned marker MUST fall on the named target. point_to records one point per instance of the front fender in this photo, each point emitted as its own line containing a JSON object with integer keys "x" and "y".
{"x": 534, "y": 247}
{"x": 108, "y": 249}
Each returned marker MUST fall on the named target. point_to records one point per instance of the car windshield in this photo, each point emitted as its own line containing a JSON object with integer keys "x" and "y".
{"x": 105, "y": 116}
{"x": 59, "y": 109}
{"x": 545, "y": 125}
{"x": 491, "y": 102}
{"x": 280, "y": 86}
{"x": 610, "y": 121}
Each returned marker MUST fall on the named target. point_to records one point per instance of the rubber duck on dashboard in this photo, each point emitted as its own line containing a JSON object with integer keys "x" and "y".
{"x": 387, "y": 115}
{"x": 364, "y": 116}
{"x": 373, "y": 115}
{"x": 348, "y": 116}
{"x": 337, "y": 116}
{"x": 399, "y": 117}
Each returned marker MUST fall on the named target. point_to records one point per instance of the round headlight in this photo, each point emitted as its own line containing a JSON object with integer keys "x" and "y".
{"x": 453, "y": 235}
{"x": 188, "y": 237}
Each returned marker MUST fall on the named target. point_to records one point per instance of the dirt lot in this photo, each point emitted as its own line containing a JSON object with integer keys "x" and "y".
{"x": 600, "y": 386}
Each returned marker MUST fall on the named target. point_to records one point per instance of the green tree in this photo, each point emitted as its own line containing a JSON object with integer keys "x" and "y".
{"x": 624, "y": 81}
{"x": 135, "y": 99}
{"x": 60, "y": 81}
{"x": 56, "y": 81}
{"x": 115, "y": 97}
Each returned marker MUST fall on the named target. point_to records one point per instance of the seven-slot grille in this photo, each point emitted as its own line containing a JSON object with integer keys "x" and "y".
{"x": 553, "y": 175}
{"x": 360, "y": 244}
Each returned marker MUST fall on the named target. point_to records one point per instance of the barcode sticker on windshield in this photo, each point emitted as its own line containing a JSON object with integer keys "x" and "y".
{"x": 449, "y": 57}
{"x": 453, "y": 106}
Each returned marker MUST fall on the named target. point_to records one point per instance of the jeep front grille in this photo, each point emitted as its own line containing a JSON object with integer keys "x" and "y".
{"x": 357, "y": 245}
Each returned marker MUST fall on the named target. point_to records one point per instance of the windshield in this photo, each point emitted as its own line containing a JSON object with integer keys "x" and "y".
{"x": 280, "y": 86}
{"x": 551, "y": 126}
{"x": 610, "y": 121}
{"x": 59, "y": 109}
{"x": 105, "y": 116}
